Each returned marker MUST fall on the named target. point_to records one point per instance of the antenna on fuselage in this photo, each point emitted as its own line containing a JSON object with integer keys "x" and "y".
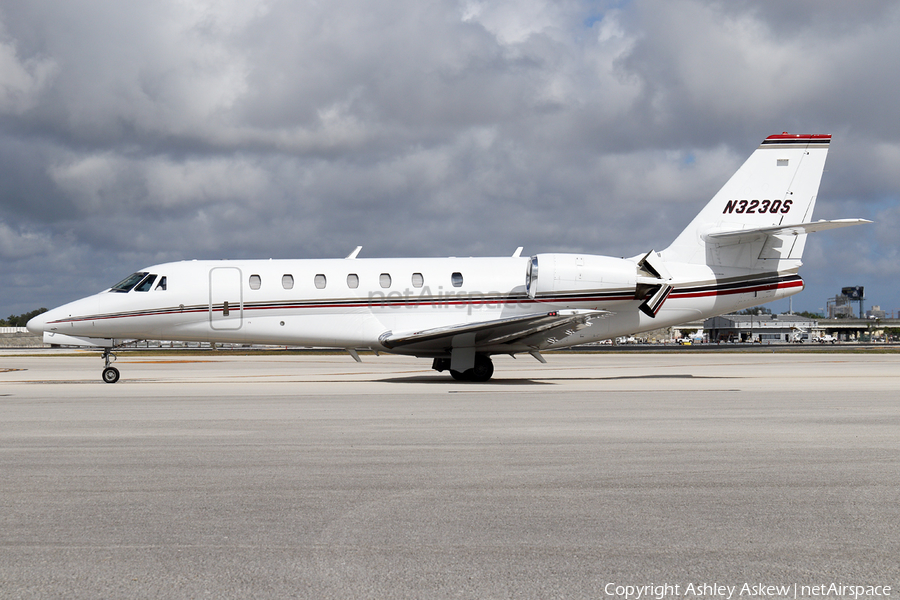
{"x": 355, "y": 252}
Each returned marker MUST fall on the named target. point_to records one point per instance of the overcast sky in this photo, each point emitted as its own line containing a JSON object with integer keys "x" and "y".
{"x": 139, "y": 132}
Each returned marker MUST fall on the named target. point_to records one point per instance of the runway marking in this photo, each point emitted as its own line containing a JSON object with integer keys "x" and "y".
{"x": 165, "y": 362}
{"x": 97, "y": 381}
{"x": 613, "y": 391}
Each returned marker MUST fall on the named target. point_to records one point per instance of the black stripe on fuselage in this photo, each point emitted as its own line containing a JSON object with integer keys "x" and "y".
{"x": 725, "y": 287}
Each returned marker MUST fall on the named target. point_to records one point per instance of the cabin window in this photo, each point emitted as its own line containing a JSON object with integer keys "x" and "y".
{"x": 456, "y": 279}
{"x": 353, "y": 281}
{"x": 129, "y": 282}
{"x": 417, "y": 280}
{"x": 385, "y": 280}
{"x": 255, "y": 282}
{"x": 287, "y": 281}
{"x": 146, "y": 284}
{"x": 320, "y": 281}
{"x": 162, "y": 283}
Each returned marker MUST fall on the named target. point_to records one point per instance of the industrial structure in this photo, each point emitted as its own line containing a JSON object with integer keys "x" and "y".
{"x": 841, "y": 306}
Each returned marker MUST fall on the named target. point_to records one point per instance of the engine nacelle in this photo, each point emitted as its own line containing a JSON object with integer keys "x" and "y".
{"x": 556, "y": 273}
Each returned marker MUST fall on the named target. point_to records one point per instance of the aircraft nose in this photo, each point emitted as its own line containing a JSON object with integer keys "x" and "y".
{"x": 36, "y": 324}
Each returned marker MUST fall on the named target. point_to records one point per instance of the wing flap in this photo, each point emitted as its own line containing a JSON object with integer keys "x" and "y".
{"x": 533, "y": 330}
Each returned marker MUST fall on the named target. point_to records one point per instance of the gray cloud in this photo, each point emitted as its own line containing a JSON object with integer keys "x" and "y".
{"x": 133, "y": 133}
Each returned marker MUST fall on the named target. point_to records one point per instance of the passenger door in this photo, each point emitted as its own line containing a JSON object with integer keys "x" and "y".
{"x": 226, "y": 306}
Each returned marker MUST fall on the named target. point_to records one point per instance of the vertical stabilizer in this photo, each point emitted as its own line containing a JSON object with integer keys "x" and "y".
{"x": 775, "y": 187}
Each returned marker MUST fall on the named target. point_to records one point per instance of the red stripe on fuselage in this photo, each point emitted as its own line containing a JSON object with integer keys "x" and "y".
{"x": 436, "y": 302}
{"x": 742, "y": 290}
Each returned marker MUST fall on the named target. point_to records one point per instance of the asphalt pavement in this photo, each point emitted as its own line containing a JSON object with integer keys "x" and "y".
{"x": 594, "y": 476}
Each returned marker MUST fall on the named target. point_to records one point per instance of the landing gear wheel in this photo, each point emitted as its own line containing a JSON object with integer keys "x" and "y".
{"x": 110, "y": 375}
{"x": 484, "y": 368}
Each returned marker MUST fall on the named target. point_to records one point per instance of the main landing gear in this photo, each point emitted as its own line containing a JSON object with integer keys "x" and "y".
{"x": 482, "y": 371}
{"x": 110, "y": 374}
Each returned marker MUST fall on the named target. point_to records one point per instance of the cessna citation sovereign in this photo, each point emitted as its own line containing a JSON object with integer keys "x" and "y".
{"x": 743, "y": 249}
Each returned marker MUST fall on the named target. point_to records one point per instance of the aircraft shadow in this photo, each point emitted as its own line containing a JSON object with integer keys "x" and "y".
{"x": 446, "y": 380}
{"x": 540, "y": 380}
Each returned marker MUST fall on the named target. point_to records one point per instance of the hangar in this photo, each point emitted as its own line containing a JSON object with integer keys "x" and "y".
{"x": 760, "y": 328}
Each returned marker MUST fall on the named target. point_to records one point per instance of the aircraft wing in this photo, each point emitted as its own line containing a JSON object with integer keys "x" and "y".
{"x": 742, "y": 236}
{"x": 534, "y": 330}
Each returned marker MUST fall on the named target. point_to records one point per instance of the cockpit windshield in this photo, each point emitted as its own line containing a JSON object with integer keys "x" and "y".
{"x": 129, "y": 282}
{"x": 146, "y": 284}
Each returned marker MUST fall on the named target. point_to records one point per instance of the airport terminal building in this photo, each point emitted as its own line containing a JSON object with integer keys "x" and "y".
{"x": 760, "y": 328}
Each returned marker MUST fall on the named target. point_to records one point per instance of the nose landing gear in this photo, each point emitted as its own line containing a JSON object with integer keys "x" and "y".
{"x": 110, "y": 373}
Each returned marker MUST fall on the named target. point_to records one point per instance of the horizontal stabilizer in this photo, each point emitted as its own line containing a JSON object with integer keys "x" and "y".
{"x": 741, "y": 236}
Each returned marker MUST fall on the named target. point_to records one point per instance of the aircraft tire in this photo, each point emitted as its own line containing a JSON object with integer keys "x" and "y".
{"x": 110, "y": 375}
{"x": 484, "y": 368}
{"x": 460, "y": 375}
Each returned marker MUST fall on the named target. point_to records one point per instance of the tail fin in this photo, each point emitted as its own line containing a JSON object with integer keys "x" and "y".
{"x": 774, "y": 189}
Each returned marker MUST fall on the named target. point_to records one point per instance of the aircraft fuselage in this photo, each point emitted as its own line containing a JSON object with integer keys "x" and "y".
{"x": 352, "y": 303}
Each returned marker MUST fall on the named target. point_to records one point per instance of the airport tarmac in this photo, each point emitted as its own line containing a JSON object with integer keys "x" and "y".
{"x": 317, "y": 477}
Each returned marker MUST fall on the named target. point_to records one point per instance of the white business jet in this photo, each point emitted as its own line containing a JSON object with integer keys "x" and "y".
{"x": 743, "y": 249}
